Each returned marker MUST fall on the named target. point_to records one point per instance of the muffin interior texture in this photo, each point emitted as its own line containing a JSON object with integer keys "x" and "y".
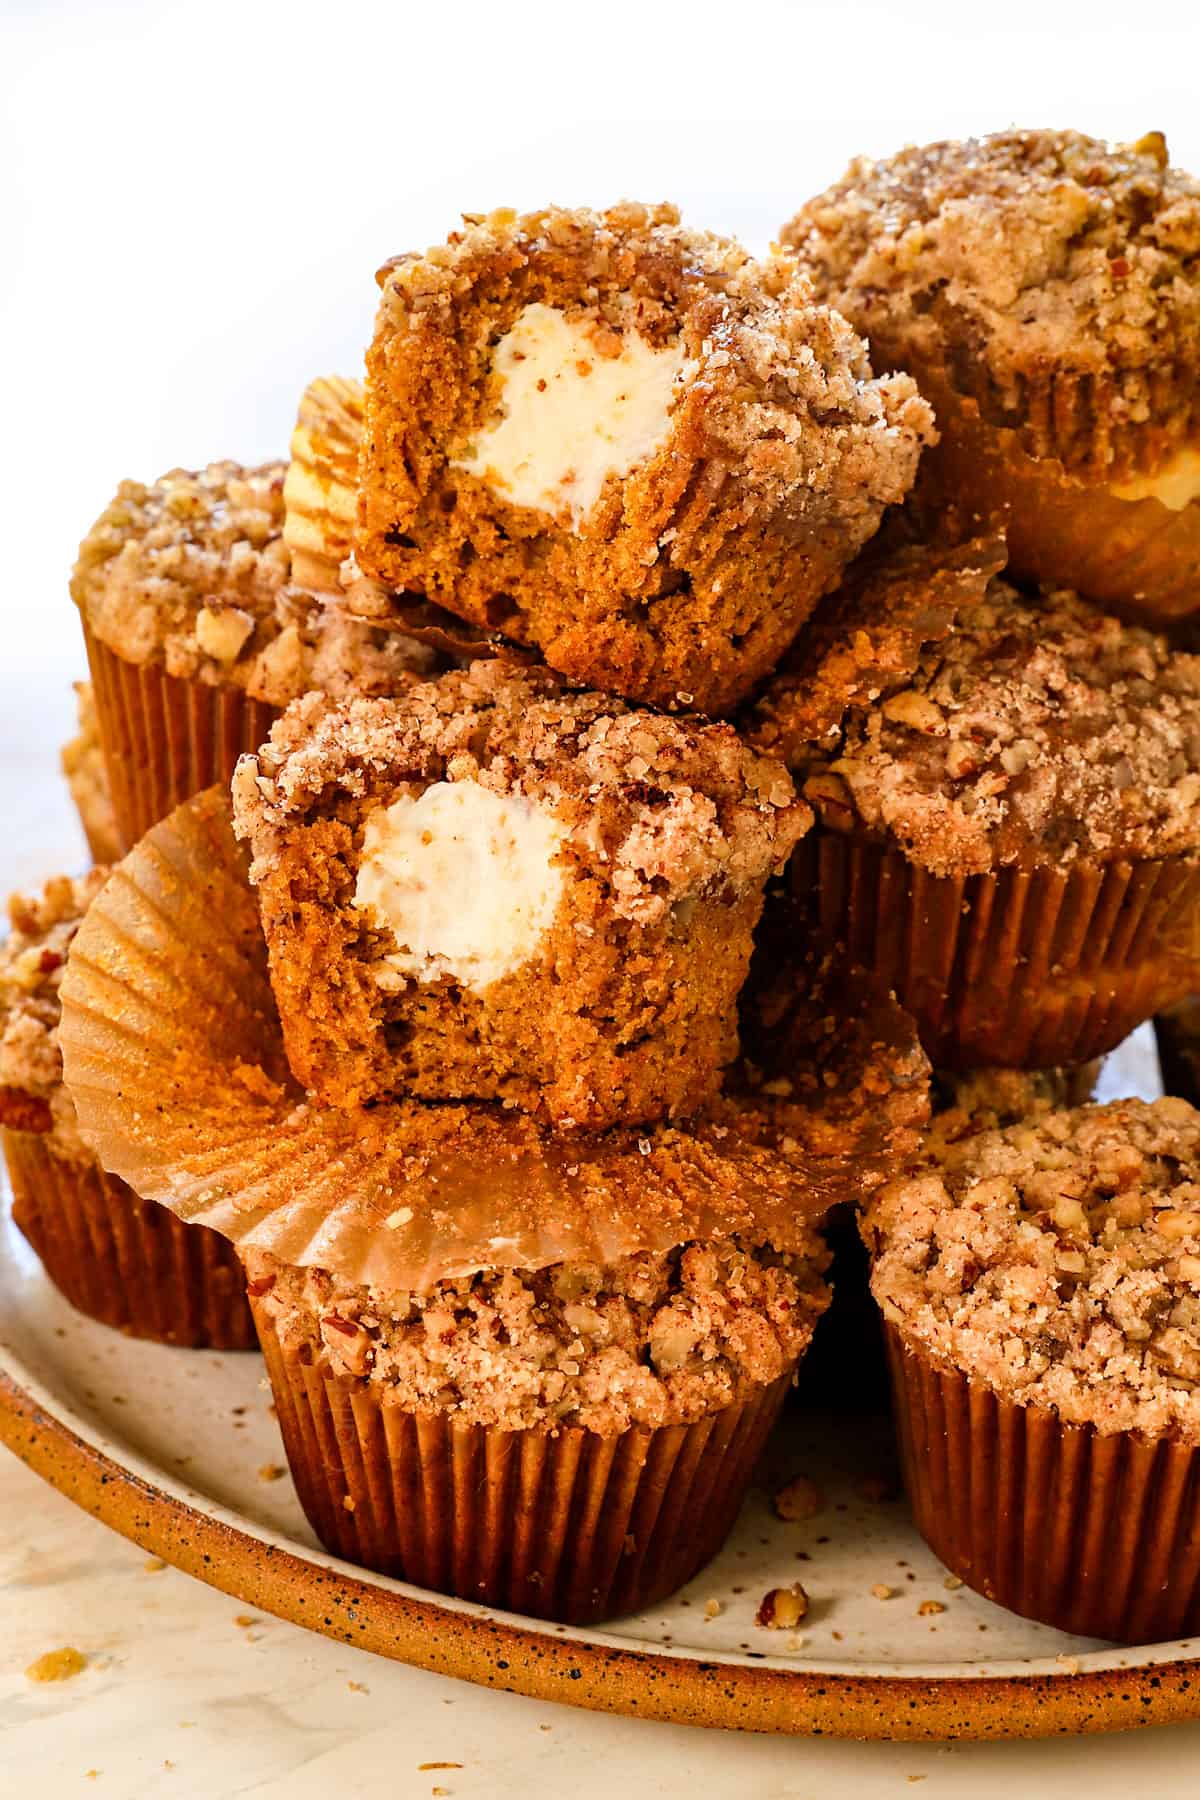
{"x": 497, "y": 889}
{"x": 625, "y": 442}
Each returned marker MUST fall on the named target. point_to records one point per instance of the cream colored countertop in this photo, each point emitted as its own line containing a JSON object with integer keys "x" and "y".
{"x": 187, "y": 1694}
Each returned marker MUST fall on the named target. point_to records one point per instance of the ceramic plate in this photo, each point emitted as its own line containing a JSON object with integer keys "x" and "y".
{"x": 179, "y": 1450}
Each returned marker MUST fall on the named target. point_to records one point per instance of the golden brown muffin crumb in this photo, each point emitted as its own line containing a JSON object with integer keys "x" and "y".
{"x": 492, "y": 888}
{"x": 677, "y": 543}
{"x": 867, "y": 637}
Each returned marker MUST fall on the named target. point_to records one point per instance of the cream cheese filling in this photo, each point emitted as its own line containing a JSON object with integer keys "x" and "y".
{"x": 1175, "y": 485}
{"x": 569, "y": 416}
{"x": 465, "y": 879}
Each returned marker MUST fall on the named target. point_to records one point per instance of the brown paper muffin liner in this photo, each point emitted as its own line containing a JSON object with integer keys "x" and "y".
{"x": 1095, "y": 1535}
{"x": 164, "y": 738}
{"x": 127, "y": 1262}
{"x": 570, "y": 1526}
{"x": 1079, "y": 419}
{"x": 1017, "y": 968}
{"x": 174, "y": 1059}
{"x": 1135, "y": 556}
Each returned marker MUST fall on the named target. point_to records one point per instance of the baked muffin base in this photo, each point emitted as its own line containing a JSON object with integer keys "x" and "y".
{"x": 127, "y": 1262}
{"x": 570, "y": 1526}
{"x": 165, "y": 738}
{"x": 1095, "y": 1535}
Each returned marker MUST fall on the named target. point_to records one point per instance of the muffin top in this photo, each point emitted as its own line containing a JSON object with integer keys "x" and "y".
{"x": 1028, "y": 255}
{"x": 1057, "y": 1261}
{"x": 32, "y": 959}
{"x": 1037, "y": 732}
{"x": 775, "y": 386}
{"x": 900, "y": 595}
{"x": 194, "y": 571}
{"x": 657, "y": 806}
{"x": 651, "y": 1340}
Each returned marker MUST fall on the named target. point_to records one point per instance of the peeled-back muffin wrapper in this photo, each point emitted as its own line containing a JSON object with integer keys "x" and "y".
{"x": 320, "y": 498}
{"x": 1094, "y": 1534}
{"x": 1016, "y": 968}
{"x": 165, "y": 737}
{"x": 174, "y": 1058}
{"x": 127, "y": 1262}
{"x": 568, "y": 1524}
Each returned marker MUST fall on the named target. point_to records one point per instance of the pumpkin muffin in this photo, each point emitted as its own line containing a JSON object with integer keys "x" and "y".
{"x": 1044, "y": 289}
{"x": 125, "y": 1261}
{"x": 1009, "y": 831}
{"x": 197, "y": 635}
{"x": 1040, "y": 1287}
{"x": 571, "y": 1442}
{"x": 625, "y": 443}
{"x": 490, "y": 888}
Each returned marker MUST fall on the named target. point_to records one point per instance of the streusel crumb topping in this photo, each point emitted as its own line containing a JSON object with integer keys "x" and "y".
{"x": 32, "y": 959}
{"x": 661, "y": 804}
{"x": 1038, "y": 731}
{"x": 1028, "y": 250}
{"x": 866, "y": 638}
{"x": 651, "y": 1340}
{"x": 989, "y": 1099}
{"x": 1058, "y": 1261}
{"x": 194, "y": 570}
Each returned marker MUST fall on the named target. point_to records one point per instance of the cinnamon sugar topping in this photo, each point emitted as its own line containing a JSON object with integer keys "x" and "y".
{"x": 1039, "y": 731}
{"x": 651, "y": 1340}
{"x": 1058, "y": 1261}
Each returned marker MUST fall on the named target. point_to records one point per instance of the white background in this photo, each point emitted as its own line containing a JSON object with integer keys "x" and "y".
{"x": 193, "y": 200}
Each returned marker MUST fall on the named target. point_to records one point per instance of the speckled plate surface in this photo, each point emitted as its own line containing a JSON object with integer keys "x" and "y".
{"x": 178, "y": 1450}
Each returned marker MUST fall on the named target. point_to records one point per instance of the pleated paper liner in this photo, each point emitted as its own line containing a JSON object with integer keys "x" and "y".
{"x": 1095, "y": 1535}
{"x": 164, "y": 738}
{"x": 1136, "y": 557}
{"x": 572, "y": 1525}
{"x": 127, "y": 1262}
{"x": 320, "y": 493}
{"x": 173, "y": 1056}
{"x": 1017, "y": 968}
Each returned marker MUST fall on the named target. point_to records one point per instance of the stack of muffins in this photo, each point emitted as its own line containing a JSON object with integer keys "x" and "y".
{"x": 616, "y": 698}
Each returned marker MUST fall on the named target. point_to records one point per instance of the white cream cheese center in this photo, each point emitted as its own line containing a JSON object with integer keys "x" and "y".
{"x": 465, "y": 879}
{"x": 1174, "y": 486}
{"x": 570, "y": 417}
